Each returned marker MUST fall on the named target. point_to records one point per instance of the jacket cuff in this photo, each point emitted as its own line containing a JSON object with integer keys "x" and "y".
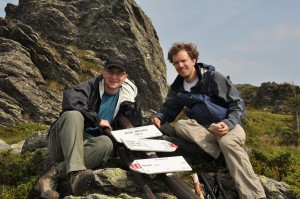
{"x": 98, "y": 122}
{"x": 157, "y": 115}
{"x": 229, "y": 124}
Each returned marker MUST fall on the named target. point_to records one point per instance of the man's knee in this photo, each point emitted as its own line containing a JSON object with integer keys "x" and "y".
{"x": 179, "y": 125}
{"x": 225, "y": 143}
{"x": 229, "y": 143}
{"x": 74, "y": 116}
{"x": 106, "y": 144}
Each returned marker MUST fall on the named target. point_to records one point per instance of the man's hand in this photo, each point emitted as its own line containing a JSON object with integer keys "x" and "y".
{"x": 104, "y": 123}
{"x": 219, "y": 129}
{"x": 155, "y": 121}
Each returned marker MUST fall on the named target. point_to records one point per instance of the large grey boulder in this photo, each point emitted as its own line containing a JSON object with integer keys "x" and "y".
{"x": 105, "y": 28}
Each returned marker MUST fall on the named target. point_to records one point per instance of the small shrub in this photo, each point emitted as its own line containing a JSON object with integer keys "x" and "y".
{"x": 16, "y": 169}
{"x": 55, "y": 84}
{"x": 22, "y": 191}
{"x": 290, "y": 138}
{"x": 277, "y": 166}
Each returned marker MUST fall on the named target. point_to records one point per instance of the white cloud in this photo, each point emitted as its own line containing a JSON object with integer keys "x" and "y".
{"x": 279, "y": 39}
{"x": 280, "y": 33}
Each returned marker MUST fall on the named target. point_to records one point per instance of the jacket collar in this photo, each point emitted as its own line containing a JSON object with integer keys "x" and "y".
{"x": 178, "y": 82}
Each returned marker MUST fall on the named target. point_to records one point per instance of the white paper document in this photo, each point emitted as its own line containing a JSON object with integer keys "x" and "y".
{"x": 160, "y": 165}
{"x": 148, "y": 131}
{"x": 149, "y": 145}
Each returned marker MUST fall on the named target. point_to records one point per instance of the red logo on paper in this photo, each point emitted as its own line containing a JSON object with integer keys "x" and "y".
{"x": 135, "y": 166}
{"x": 173, "y": 145}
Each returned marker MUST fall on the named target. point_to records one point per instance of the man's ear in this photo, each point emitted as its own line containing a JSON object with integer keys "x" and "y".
{"x": 125, "y": 77}
{"x": 195, "y": 61}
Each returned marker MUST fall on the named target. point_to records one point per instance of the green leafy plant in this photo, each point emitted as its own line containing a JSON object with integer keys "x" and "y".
{"x": 18, "y": 173}
{"x": 16, "y": 169}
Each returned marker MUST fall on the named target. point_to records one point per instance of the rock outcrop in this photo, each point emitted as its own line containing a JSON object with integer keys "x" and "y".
{"x": 269, "y": 94}
{"x": 46, "y": 46}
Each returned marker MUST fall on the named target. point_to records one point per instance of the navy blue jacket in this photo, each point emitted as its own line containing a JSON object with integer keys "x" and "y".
{"x": 211, "y": 83}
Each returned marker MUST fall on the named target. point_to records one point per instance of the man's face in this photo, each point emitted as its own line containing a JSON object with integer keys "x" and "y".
{"x": 113, "y": 78}
{"x": 184, "y": 65}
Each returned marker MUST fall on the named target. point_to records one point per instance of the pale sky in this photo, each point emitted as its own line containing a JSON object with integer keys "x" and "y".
{"x": 253, "y": 41}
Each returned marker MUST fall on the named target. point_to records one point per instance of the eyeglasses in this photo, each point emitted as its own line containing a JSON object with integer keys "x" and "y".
{"x": 118, "y": 74}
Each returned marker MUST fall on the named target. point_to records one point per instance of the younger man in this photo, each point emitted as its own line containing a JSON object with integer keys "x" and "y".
{"x": 75, "y": 140}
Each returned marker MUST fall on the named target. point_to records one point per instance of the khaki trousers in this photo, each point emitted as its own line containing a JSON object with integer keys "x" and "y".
{"x": 246, "y": 181}
{"x": 73, "y": 149}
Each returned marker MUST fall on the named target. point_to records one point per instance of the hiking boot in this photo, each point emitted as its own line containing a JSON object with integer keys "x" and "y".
{"x": 81, "y": 181}
{"x": 47, "y": 184}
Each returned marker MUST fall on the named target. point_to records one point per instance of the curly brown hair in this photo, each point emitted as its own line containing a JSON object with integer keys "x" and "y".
{"x": 190, "y": 48}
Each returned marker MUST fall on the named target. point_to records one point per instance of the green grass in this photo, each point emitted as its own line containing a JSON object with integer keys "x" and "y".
{"x": 263, "y": 129}
{"x": 88, "y": 66}
{"x": 15, "y": 134}
{"x": 275, "y": 144}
